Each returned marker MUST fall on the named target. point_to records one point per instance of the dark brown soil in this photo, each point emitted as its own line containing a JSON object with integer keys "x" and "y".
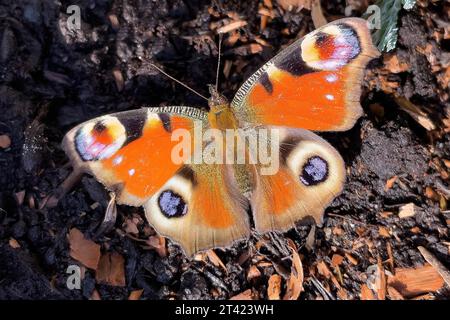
{"x": 52, "y": 79}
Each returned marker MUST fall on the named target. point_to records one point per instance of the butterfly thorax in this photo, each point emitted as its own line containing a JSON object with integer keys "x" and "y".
{"x": 221, "y": 115}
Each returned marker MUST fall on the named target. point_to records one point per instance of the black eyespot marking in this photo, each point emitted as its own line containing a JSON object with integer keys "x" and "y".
{"x": 314, "y": 171}
{"x": 321, "y": 38}
{"x": 165, "y": 119}
{"x": 265, "y": 81}
{"x": 99, "y": 127}
{"x": 172, "y": 204}
{"x": 292, "y": 62}
{"x": 133, "y": 124}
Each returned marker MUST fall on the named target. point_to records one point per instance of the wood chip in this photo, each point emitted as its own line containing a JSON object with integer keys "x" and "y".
{"x": 406, "y": 211}
{"x": 114, "y": 21}
{"x": 380, "y": 280}
{"x": 351, "y": 259}
{"x": 135, "y": 294}
{"x": 390, "y": 183}
{"x": 158, "y": 243}
{"x": 336, "y": 260}
{"x": 83, "y": 250}
{"x": 95, "y": 295}
{"x": 215, "y": 260}
{"x": 118, "y": 78}
{"x": 411, "y": 282}
{"x": 294, "y": 285}
{"x": 392, "y": 63}
{"x": 253, "y": 273}
{"x": 290, "y": 5}
{"x": 232, "y": 26}
{"x": 384, "y": 232}
{"x": 274, "y": 287}
{"x": 5, "y": 141}
{"x": 394, "y": 294}
{"x": 246, "y": 295}
{"x": 366, "y": 293}
{"x": 13, "y": 243}
{"x": 416, "y": 112}
{"x": 440, "y": 268}
{"x": 111, "y": 270}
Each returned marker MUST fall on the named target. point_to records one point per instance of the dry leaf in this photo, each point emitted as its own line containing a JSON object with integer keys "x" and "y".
{"x": 274, "y": 288}
{"x": 135, "y": 294}
{"x": 111, "y": 270}
{"x": 394, "y": 294}
{"x": 83, "y": 250}
{"x": 411, "y": 282}
{"x": 294, "y": 285}
{"x": 351, "y": 259}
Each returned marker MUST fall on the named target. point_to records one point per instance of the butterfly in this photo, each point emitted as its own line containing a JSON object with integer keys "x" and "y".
{"x": 314, "y": 84}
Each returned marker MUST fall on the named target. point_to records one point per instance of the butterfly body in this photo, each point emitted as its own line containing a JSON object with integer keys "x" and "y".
{"x": 284, "y": 173}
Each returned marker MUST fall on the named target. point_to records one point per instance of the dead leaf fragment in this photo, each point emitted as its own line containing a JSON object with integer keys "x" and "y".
{"x": 393, "y": 64}
{"x": 84, "y": 250}
{"x": 411, "y": 282}
{"x": 390, "y": 183}
{"x": 336, "y": 260}
{"x": 111, "y": 269}
{"x": 274, "y": 288}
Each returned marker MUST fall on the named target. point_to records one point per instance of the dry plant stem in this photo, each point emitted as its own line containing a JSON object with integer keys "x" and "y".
{"x": 67, "y": 185}
{"x": 440, "y": 268}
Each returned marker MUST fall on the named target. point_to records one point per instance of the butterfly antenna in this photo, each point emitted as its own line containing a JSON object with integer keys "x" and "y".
{"x": 178, "y": 81}
{"x": 218, "y": 62}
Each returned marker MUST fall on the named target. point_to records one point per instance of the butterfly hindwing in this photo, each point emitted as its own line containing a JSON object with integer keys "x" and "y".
{"x": 311, "y": 174}
{"x": 130, "y": 152}
{"x": 200, "y": 207}
{"x": 313, "y": 84}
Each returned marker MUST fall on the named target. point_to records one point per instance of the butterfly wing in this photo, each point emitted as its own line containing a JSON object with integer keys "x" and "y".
{"x": 200, "y": 207}
{"x": 313, "y": 84}
{"x": 130, "y": 152}
{"x": 310, "y": 174}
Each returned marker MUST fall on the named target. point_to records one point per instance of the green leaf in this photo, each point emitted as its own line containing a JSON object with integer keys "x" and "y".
{"x": 385, "y": 37}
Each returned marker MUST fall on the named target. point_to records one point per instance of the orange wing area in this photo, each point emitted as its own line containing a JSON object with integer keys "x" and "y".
{"x": 314, "y": 84}
{"x": 200, "y": 207}
{"x": 130, "y": 152}
{"x": 144, "y": 165}
{"x": 309, "y": 101}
